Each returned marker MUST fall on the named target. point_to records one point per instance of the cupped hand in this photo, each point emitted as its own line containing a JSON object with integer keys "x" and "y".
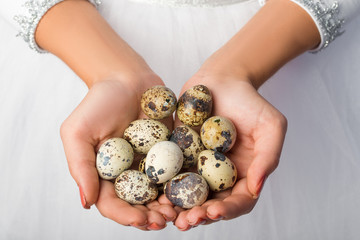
{"x": 106, "y": 112}
{"x": 260, "y": 134}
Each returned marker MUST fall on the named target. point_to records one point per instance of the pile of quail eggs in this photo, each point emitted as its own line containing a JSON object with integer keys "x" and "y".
{"x": 168, "y": 156}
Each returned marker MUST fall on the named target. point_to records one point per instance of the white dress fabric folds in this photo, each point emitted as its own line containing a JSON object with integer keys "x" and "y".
{"x": 313, "y": 194}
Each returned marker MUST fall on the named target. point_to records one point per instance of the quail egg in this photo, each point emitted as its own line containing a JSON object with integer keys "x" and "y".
{"x": 158, "y": 102}
{"x": 143, "y": 134}
{"x": 218, "y": 170}
{"x": 163, "y": 161}
{"x": 190, "y": 144}
{"x": 142, "y": 165}
{"x": 195, "y": 106}
{"x": 218, "y": 133}
{"x": 135, "y": 188}
{"x": 160, "y": 186}
{"x": 187, "y": 190}
{"x": 114, "y": 156}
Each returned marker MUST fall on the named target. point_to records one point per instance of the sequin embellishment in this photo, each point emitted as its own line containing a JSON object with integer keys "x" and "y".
{"x": 28, "y": 23}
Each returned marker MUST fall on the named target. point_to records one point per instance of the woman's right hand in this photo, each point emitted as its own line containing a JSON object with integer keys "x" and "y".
{"x": 116, "y": 76}
{"x": 106, "y": 112}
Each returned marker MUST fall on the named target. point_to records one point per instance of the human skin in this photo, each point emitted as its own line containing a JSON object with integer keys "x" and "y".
{"x": 117, "y": 76}
{"x": 279, "y": 32}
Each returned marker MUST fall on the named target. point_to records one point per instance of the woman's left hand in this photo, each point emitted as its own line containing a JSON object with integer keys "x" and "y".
{"x": 260, "y": 134}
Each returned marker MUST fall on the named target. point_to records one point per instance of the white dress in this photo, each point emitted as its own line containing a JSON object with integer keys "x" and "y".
{"x": 313, "y": 194}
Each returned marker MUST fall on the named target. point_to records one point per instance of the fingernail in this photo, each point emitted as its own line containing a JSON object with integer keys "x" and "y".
{"x": 138, "y": 225}
{"x": 203, "y": 222}
{"x": 259, "y": 188}
{"x": 217, "y": 218}
{"x": 186, "y": 228}
{"x": 168, "y": 219}
{"x": 83, "y": 199}
{"x": 200, "y": 221}
{"x": 154, "y": 226}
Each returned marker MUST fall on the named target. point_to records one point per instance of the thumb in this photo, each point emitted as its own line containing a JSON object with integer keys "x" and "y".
{"x": 80, "y": 156}
{"x": 268, "y": 145}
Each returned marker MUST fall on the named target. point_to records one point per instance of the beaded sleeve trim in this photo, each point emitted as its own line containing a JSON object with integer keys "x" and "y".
{"x": 194, "y": 3}
{"x": 326, "y": 18}
{"x": 28, "y": 23}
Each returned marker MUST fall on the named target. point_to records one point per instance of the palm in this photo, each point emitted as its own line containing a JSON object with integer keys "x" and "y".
{"x": 260, "y": 131}
{"x": 105, "y": 112}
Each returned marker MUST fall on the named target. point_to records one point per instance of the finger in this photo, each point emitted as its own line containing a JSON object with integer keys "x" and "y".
{"x": 197, "y": 216}
{"x": 164, "y": 200}
{"x": 80, "y": 156}
{"x": 240, "y": 202}
{"x": 181, "y": 221}
{"x": 167, "y": 211}
{"x": 155, "y": 220}
{"x": 178, "y": 210}
{"x": 269, "y": 140}
{"x": 110, "y": 206}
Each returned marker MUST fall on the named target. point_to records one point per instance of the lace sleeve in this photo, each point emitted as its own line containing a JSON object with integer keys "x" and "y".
{"x": 329, "y": 16}
{"x": 326, "y": 18}
{"x": 35, "y": 11}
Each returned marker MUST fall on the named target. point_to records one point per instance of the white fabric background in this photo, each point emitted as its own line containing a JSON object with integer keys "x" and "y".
{"x": 314, "y": 193}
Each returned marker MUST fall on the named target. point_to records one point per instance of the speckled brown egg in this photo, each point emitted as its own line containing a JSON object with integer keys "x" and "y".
{"x": 190, "y": 144}
{"x": 142, "y": 165}
{"x": 143, "y": 134}
{"x": 218, "y": 133}
{"x": 187, "y": 190}
{"x": 158, "y": 102}
{"x": 218, "y": 170}
{"x": 135, "y": 188}
{"x": 163, "y": 161}
{"x": 195, "y": 106}
{"x": 114, "y": 156}
{"x": 159, "y": 186}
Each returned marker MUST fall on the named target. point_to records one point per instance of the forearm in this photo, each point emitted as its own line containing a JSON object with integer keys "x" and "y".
{"x": 74, "y": 31}
{"x": 279, "y": 32}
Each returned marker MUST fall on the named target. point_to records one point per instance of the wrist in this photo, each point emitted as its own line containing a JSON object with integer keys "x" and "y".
{"x": 220, "y": 68}
{"x": 213, "y": 76}
{"x": 132, "y": 74}
{"x": 279, "y": 32}
{"x": 76, "y": 33}
{"x": 132, "y": 82}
